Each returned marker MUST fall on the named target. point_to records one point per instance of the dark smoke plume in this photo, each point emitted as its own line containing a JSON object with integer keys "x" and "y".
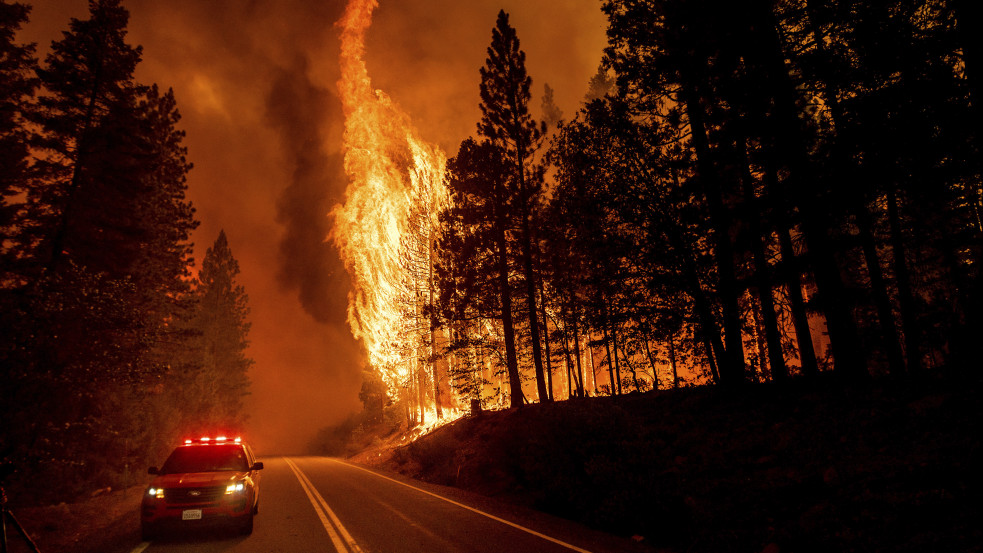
{"x": 299, "y": 110}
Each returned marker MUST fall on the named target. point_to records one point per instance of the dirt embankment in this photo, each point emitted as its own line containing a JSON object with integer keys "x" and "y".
{"x": 106, "y": 522}
{"x": 808, "y": 467}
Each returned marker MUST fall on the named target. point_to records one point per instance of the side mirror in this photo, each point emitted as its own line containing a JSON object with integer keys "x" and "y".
{"x": 153, "y": 470}
{"x": 258, "y": 465}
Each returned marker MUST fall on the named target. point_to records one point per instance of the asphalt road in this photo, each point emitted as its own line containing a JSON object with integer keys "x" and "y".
{"x": 315, "y": 504}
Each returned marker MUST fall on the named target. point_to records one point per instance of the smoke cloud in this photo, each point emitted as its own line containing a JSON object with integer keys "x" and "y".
{"x": 296, "y": 108}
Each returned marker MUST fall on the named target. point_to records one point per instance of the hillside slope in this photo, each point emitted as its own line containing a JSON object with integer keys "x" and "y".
{"x": 809, "y": 467}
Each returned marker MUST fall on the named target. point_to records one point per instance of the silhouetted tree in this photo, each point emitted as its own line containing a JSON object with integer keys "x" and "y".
{"x": 600, "y": 85}
{"x": 506, "y": 123}
{"x": 552, "y": 114}
{"x": 214, "y": 389}
{"x": 18, "y": 87}
{"x": 87, "y": 117}
{"x": 476, "y": 261}
{"x": 831, "y": 145}
{"x": 103, "y": 256}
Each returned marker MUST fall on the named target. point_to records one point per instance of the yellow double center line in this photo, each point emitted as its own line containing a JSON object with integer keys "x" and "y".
{"x": 340, "y": 537}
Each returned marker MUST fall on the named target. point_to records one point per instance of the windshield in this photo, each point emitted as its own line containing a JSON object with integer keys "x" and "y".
{"x": 206, "y": 458}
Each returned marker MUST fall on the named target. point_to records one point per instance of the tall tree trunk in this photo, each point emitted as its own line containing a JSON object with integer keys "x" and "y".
{"x": 546, "y": 341}
{"x": 593, "y": 364}
{"x": 614, "y": 347}
{"x": 800, "y": 316}
{"x": 791, "y": 146}
{"x": 581, "y": 390}
{"x": 615, "y": 386}
{"x": 566, "y": 361}
{"x": 433, "y": 330}
{"x": 878, "y": 288}
{"x": 792, "y": 274}
{"x": 527, "y": 266}
{"x": 411, "y": 396}
{"x": 631, "y": 368}
{"x": 762, "y": 273}
{"x": 701, "y": 303}
{"x": 906, "y": 298}
{"x": 421, "y": 372}
{"x": 732, "y": 363}
{"x": 865, "y": 225}
{"x": 508, "y": 328}
{"x": 672, "y": 361}
{"x": 653, "y": 364}
{"x": 710, "y": 358}
{"x": 759, "y": 339}
{"x": 410, "y": 417}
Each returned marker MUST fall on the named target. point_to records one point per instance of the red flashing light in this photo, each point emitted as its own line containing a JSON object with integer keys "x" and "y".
{"x": 217, "y": 440}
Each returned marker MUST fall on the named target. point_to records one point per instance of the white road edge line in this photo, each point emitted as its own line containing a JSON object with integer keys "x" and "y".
{"x": 342, "y": 543}
{"x": 141, "y": 547}
{"x": 472, "y": 509}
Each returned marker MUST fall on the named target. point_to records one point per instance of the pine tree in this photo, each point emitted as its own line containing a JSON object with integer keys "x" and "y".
{"x": 88, "y": 118}
{"x": 552, "y": 114}
{"x": 103, "y": 254}
{"x": 600, "y": 85}
{"x": 215, "y": 389}
{"x": 18, "y": 87}
{"x": 475, "y": 265}
{"x": 507, "y": 124}
{"x": 109, "y": 195}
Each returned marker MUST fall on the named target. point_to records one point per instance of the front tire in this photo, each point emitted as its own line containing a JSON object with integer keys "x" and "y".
{"x": 148, "y": 532}
{"x": 247, "y": 525}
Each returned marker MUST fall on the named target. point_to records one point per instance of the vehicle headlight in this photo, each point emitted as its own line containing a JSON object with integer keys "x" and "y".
{"x": 156, "y": 492}
{"x": 233, "y": 488}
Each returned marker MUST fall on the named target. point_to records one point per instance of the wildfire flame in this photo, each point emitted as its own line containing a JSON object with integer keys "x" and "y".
{"x": 394, "y": 177}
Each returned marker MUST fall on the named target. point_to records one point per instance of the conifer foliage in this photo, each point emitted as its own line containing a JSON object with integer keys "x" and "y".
{"x": 220, "y": 323}
{"x": 18, "y": 85}
{"x": 751, "y": 191}
{"x": 99, "y": 314}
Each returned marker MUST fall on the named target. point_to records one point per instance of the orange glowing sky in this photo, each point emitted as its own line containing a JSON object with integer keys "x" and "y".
{"x": 255, "y": 82}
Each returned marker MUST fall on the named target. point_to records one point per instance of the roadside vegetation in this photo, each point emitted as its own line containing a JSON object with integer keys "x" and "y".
{"x": 818, "y": 466}
{"x": 112, "y": 341}
{"x": 749, "y": 192}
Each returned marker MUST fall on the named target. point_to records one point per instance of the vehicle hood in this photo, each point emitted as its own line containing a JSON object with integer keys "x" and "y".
{"x": 197, "y": 479}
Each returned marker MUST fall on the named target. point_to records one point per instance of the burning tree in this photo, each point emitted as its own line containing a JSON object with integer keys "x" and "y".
{"x": 387, "y": 226}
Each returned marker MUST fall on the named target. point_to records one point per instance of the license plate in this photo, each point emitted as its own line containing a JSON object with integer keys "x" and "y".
{"x": 191, "y": 514}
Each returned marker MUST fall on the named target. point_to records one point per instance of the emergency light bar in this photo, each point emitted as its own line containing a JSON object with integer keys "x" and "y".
{"x": 207, "y": 440}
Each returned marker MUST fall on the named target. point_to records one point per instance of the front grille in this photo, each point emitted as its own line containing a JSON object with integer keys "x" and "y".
{"x": 193, "y": 495}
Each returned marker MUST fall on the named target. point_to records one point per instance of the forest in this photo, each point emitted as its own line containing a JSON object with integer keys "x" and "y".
{"x": 771, "y": 205}
{"x": 112, "y": 342}
{"x": 758, "y": 192}
{"x": 750, "y": 192}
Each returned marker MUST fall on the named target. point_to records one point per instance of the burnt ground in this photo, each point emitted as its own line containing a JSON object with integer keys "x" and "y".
{"x": 809, "y": 467}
